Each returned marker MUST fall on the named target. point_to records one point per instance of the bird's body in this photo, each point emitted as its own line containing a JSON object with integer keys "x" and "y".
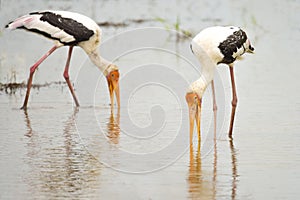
{"x": 223, "y": 44}
{"x": 65, "y": 27}
{"x": 213, "y": 46}
{"x": 68, "y": 29}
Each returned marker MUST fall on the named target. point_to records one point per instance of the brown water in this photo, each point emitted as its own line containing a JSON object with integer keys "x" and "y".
{"x": 143, "y": 152}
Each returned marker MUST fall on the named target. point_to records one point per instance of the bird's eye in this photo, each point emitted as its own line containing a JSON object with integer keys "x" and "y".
{"x": 112, "y": 75}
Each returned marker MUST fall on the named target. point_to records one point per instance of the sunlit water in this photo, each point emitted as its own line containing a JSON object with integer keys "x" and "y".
{"x": 143, "y": 152}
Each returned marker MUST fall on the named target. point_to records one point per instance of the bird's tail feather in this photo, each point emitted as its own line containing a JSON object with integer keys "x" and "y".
{"x": 20, "y": 22}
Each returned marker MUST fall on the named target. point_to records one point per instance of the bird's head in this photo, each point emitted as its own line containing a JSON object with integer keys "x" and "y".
{"x": 193, "y": 98}
{"x": 113, "y": 83}
{"x": 194, "y": 103}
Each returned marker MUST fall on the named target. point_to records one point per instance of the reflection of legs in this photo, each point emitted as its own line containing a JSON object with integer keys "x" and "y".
{"x": 234, "y": 100}
{"x": 66, "y": 76}
{"x": 32, "y": 70}
{"x": 234, "y": 170}
{"x": 214, "y": 106}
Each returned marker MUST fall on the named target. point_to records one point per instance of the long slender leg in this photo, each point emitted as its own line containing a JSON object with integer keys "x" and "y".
{"x": 32, "y": 70}
{"x": 66, "y": 76}
{"x": 214, "y": 107}
{"x": 234, "y": 100}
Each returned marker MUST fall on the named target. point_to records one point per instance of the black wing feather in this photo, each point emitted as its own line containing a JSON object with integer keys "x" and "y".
{"x": 70, "y": 26}
{"x": 231, "y": 45}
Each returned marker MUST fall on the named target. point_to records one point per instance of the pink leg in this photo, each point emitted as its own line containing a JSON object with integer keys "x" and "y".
{"x": 32, "y": 70}
{"x": 234, "y": 100}
{"x": 214, "y": 106}
{"x": 66, "y": 76}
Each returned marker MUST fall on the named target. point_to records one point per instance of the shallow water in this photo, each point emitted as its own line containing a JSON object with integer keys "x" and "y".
{"x": 142, "y": 152}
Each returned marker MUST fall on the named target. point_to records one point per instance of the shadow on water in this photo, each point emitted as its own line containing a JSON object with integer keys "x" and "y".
{"x": 200, "y": 186}
{"x": 59, "y": 170}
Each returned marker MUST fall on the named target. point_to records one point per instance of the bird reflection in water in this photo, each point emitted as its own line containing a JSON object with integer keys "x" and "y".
{"x": 234, "y": 170}
{"x": 28, "y": 124}
{"x": 113, "y": 128}
{"x": 195, "y": 173}
{"x": 59, "y": 170}
{"x": 200, "y": 186}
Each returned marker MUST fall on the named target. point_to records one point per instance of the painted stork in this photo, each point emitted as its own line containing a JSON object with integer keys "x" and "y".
{"x": 212, "y": 46}
{"x": 68, "y": 29}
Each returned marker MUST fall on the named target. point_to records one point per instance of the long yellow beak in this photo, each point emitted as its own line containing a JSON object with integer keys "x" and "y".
{"x": 113, "y": 87}
{"x": 198, "y": 119}
{"x": 192, "y": 119}
{"x": 117, "y": 92}
{"x": 195, "y": 115}
{"x": 194, "y": 105}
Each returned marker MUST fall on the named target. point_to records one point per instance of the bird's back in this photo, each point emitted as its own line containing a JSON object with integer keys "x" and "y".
{"x": 68, "y": 28}
{"x": 223, "y": 44}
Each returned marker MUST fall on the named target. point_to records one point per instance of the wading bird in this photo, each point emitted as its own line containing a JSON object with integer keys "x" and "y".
{"x": 213, "y": 46}
{"x": 68, "y": 29}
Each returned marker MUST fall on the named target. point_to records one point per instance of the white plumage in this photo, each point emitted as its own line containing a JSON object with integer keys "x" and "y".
{"x": 33, "y": 22}
{"x": 68, "y": 29}
{"x": 212, "y": 46}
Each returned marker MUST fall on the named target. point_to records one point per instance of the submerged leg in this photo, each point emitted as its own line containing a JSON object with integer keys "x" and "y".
{"x": 234, "y": 100}
{"x": 66, "y": 76}
{"x": 32, "y": 70}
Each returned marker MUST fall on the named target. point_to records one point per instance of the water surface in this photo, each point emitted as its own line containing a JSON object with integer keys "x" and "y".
{"x": 142, "y": 152}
